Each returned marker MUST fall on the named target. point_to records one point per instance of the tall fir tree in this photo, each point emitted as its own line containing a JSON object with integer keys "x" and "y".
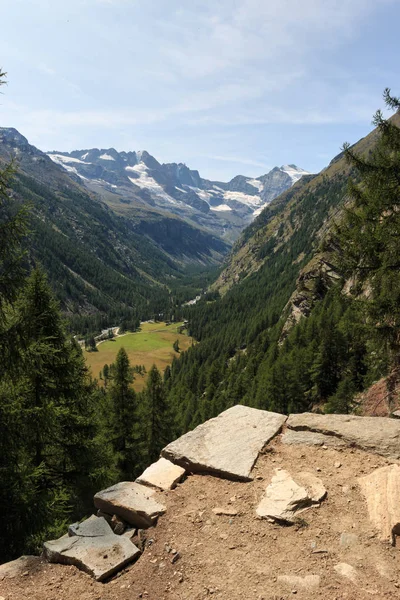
{"x": 123, "y": 416}
{"x": 369, "y": 234}
{"x": 155, "y": 417}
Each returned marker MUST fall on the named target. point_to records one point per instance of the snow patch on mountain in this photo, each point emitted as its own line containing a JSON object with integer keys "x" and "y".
{"x": 145, "y": 181}
{"x": 294, "y": 172}
{"x": 106, "y": 157}
{"x": 220, "y": 207}
{"x": 243, "y": 198}
{"x": 62, "y": 160}
{"x": 255, "y": 183}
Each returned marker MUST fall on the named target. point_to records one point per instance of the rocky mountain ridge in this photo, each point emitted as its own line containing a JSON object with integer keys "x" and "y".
{"x": 137, "y": 177}
{"x": 310, "y": 509}
{"x": 99, "y": 262}
{"x": 289, "y": 216}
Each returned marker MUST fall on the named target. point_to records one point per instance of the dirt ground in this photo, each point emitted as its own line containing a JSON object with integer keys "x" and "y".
{"x": 242, "y": 557}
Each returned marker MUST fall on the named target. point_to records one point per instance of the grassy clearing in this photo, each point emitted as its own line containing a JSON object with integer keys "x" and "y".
{"x": 151, "y": 345}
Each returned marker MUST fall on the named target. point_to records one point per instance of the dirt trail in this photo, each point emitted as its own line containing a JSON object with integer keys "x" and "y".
{"x": 242, "y": 557}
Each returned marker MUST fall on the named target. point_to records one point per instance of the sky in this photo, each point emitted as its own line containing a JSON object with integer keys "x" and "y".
{"x": 226, "y": 86}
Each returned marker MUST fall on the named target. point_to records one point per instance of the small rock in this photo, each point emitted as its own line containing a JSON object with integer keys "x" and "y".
{"x": 286, "y": 496}
{"x": 118, "y": 525}
{"x": 175, "y": 558}
{"x": 338, "y": 464}
{"x": 347, "y": 571}
{"x": 229, "y": 512}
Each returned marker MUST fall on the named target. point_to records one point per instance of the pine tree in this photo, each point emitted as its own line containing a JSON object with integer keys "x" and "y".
{"x": 123, "y": 416}
{"x": 155, "y": 417}
{"x": 369, "y": 234}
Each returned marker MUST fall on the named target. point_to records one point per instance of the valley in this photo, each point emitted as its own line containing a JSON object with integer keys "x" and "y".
{"x": 152, "y": 344}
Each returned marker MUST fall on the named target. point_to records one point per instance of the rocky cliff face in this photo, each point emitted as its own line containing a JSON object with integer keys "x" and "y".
{"x": 316, "y": 516}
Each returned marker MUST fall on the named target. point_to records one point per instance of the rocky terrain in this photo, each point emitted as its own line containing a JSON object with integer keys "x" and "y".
{"x": 248, "y": 505}
{"x": 138, "y": 179}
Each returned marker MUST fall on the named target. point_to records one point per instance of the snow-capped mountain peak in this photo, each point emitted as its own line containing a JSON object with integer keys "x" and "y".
{"x": 138, "y": 177}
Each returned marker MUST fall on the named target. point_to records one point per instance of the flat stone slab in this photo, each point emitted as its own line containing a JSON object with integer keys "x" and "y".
{"x": 91, "y": 527}
{"x": 381, "y": 489}
{"x": 228, "y": 445}
{"x": 136, "y": 504}
{"x": 380, "y": 435}
{"x": 162, "y": 474}
{"x": 310, "y": 438}
{"x": 100, "y": 556}
{"x": 16, "y": 567}
{"x": 308, "y": 582}
{"x": 287, "y": 496}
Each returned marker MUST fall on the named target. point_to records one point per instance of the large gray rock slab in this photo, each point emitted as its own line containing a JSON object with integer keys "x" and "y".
{"x": 286, "y": 496}
{"x": 136, "y": 504}
{"x": 310, "y": 438}
{"x": 227, "y": 445}
{"x": 101, "y": 556}
{"x": 381, "y": 489}
{"x": 162, "y": 474}
{"x": 374, "y": 434}
{"x": 19, "y": 566}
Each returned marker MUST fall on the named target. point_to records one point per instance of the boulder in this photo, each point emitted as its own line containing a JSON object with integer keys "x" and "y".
{"x": 101, "y": 555}
{"x": 286, "y": 497}
{"x": 374, "y": 434}
{"x": 381, "y": 489}
{"x": 311, "y": 438}
{"x": 136, "y": 504}
{"x": 19, "y": 566}
{"x": 228, "y": 445}
{"x": 162, "y": 474}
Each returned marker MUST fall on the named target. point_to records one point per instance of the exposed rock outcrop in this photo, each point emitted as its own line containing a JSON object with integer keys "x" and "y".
{"x": 228, "y": 445}
{"x": 381, "y": 489}
{"x": 379, "y": 435}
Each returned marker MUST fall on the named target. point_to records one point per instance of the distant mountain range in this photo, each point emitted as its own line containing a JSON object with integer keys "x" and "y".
{"x": 137, "y": 178}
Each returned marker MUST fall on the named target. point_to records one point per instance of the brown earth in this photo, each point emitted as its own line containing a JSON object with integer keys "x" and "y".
{"x": 374, "y": 402}
{"x": 241, "y": 557}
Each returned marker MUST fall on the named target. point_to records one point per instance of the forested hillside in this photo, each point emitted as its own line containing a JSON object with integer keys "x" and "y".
{"x": 249, "y": 352}
{"x": 304, "y": 317}
{"x": 103, "y": 268}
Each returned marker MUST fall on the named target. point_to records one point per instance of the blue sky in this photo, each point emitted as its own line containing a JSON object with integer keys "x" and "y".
{"x": 225, "y": 86}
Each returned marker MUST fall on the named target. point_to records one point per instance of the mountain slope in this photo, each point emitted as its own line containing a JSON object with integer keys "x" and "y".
{"x": 138, "y": 179}
{"x": 99, "y": 264}
{"x": 278, "y": 269}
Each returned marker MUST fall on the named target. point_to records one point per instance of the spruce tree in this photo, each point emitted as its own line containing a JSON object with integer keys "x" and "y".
{"x": 369, "y": 234}
{"x": 155, "y": 417}
{"x": 123, "y": 416}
